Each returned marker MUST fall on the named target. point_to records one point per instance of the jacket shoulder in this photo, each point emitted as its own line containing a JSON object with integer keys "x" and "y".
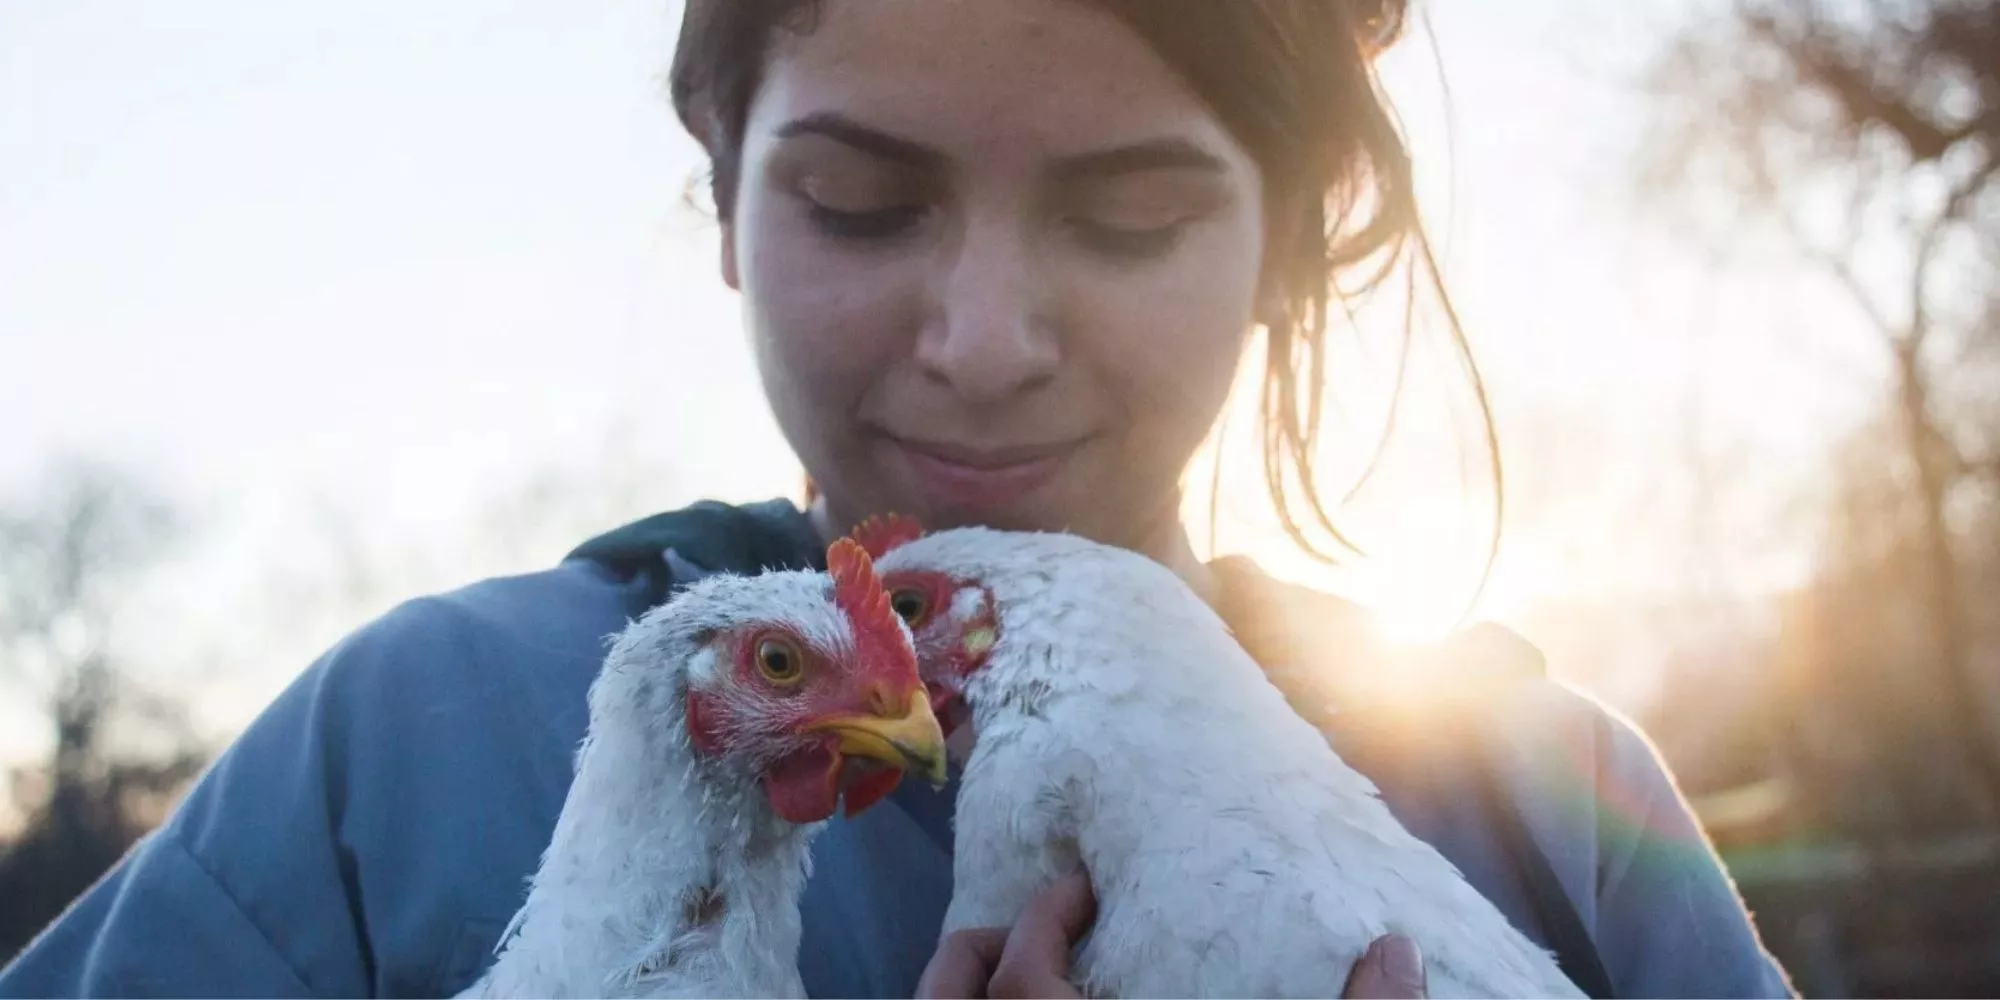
{"x": 407, "y": 779}
{"x": 1328, "y": 651}
{"x": 1484, "y": 680}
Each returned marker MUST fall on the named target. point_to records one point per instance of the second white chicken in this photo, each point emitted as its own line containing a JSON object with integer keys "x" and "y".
{"x": 1120, "y": 726}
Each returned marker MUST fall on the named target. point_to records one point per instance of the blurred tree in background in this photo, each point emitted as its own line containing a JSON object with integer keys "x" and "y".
{"x": 1868, "y": 135}
{"x": 1863, "y": 137}
{"x": 77, "y": 553}
{"x": 121, "y": 753}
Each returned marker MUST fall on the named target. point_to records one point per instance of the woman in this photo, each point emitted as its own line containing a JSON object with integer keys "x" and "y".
{"x": 998, "y": 262}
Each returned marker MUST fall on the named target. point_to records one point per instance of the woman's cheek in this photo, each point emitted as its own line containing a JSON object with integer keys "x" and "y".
{"x": 821, "y": 314}
{"x": 1174, "y": 339}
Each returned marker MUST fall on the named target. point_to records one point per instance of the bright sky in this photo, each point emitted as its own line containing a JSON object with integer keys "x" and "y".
{"x": 398, "y": 255}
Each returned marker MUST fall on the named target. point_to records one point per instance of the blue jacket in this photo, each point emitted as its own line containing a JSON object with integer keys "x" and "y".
{"x": 371, "y": 833}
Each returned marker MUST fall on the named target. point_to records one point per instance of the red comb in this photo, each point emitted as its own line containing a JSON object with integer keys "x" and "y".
{"x": 858, "y": 591}
{"x": 878, "y": 535}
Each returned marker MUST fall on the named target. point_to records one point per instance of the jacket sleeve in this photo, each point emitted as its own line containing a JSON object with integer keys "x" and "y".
{"x": 159, "y": 924}
{"x": 1600, "y": 803}
{"x": 1669, "y": 921}
{"x": 242, "y": 892}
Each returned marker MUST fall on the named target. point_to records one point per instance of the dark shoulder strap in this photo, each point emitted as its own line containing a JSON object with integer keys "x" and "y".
{"x": 718, "y": 537}
{"x": 1574, "y": 947}
{"x": 1251, "y": 604}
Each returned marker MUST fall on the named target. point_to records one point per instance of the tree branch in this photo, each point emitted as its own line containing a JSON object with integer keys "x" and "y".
{"x": 1841, "y": 268}
{"x": 1927, "y": 245}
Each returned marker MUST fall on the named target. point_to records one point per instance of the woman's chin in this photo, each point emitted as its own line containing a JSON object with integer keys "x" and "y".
{"x": 1029, "y": 496}
{"x": 1066, "y": 498}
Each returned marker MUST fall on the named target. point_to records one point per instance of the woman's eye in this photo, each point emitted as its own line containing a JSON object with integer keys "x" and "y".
{"x": 875, "y": 224}
{"x": 1131, "y": 244}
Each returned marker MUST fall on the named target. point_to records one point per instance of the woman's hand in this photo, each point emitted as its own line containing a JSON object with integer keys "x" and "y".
{"x": 1031, "y": 959}
{"x": 1390, "y": 968}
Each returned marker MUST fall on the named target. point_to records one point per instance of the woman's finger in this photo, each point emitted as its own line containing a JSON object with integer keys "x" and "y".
{"x": 1391, "y": 969}
{"x": 1035, "y": 962}
{"x": 963, "y": 963}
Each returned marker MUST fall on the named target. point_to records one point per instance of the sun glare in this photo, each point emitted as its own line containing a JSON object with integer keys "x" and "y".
{"x": 1413, "y": 619}
{"x": 1417, "y": 583}
{"x": 1425, "y": 537}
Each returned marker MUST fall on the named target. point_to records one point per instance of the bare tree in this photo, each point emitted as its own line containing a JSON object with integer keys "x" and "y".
{"x": 1867, "y": 132}
{"x": 69, "y": 560}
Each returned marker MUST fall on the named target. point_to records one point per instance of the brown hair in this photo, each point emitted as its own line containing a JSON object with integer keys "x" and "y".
{"x": 1294, "y": 82}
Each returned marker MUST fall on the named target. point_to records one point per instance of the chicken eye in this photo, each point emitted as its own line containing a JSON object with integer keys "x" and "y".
{"x": 779, "y": 661}
{"x": 910, "y": 605}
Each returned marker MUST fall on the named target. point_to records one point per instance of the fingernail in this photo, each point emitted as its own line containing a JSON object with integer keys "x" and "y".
{"x": 1402, "y": 962}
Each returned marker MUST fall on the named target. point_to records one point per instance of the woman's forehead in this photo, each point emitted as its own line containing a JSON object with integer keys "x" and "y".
{"x": 976, "y": 81}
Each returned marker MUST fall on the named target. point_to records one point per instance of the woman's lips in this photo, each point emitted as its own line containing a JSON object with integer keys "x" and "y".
{"x": 960, "y": 475}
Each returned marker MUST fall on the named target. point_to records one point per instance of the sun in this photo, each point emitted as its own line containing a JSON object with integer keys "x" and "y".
{"x": 1421, "y": 596}
{"x": 1413, "y": 619}
{"x": 1426, "y": 539}
{"x": 1418, "y": 589}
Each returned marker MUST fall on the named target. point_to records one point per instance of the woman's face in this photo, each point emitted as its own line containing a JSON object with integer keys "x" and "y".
{"x": 998, "y": 263}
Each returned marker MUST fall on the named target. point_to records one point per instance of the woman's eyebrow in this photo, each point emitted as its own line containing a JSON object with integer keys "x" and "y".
{"x": 1153, "y": 154}
{"x": 1139, "y": 157}
{"x": 865, "y": 138}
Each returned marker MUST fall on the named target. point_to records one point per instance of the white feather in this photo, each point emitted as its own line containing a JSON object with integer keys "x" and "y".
{"x": 1232, "y": 852}
{"x": 701, "y": 667}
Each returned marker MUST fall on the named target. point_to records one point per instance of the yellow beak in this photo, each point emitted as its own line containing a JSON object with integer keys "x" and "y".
{"x": 909, "y": 741}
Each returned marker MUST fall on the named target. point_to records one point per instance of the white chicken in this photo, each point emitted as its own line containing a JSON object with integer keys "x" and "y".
{"x": 1119, "y": 725}
{"x": 725, "y": 725}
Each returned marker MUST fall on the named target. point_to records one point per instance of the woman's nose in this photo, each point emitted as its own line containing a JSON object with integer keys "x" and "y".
{"x": 989, "y": 334}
